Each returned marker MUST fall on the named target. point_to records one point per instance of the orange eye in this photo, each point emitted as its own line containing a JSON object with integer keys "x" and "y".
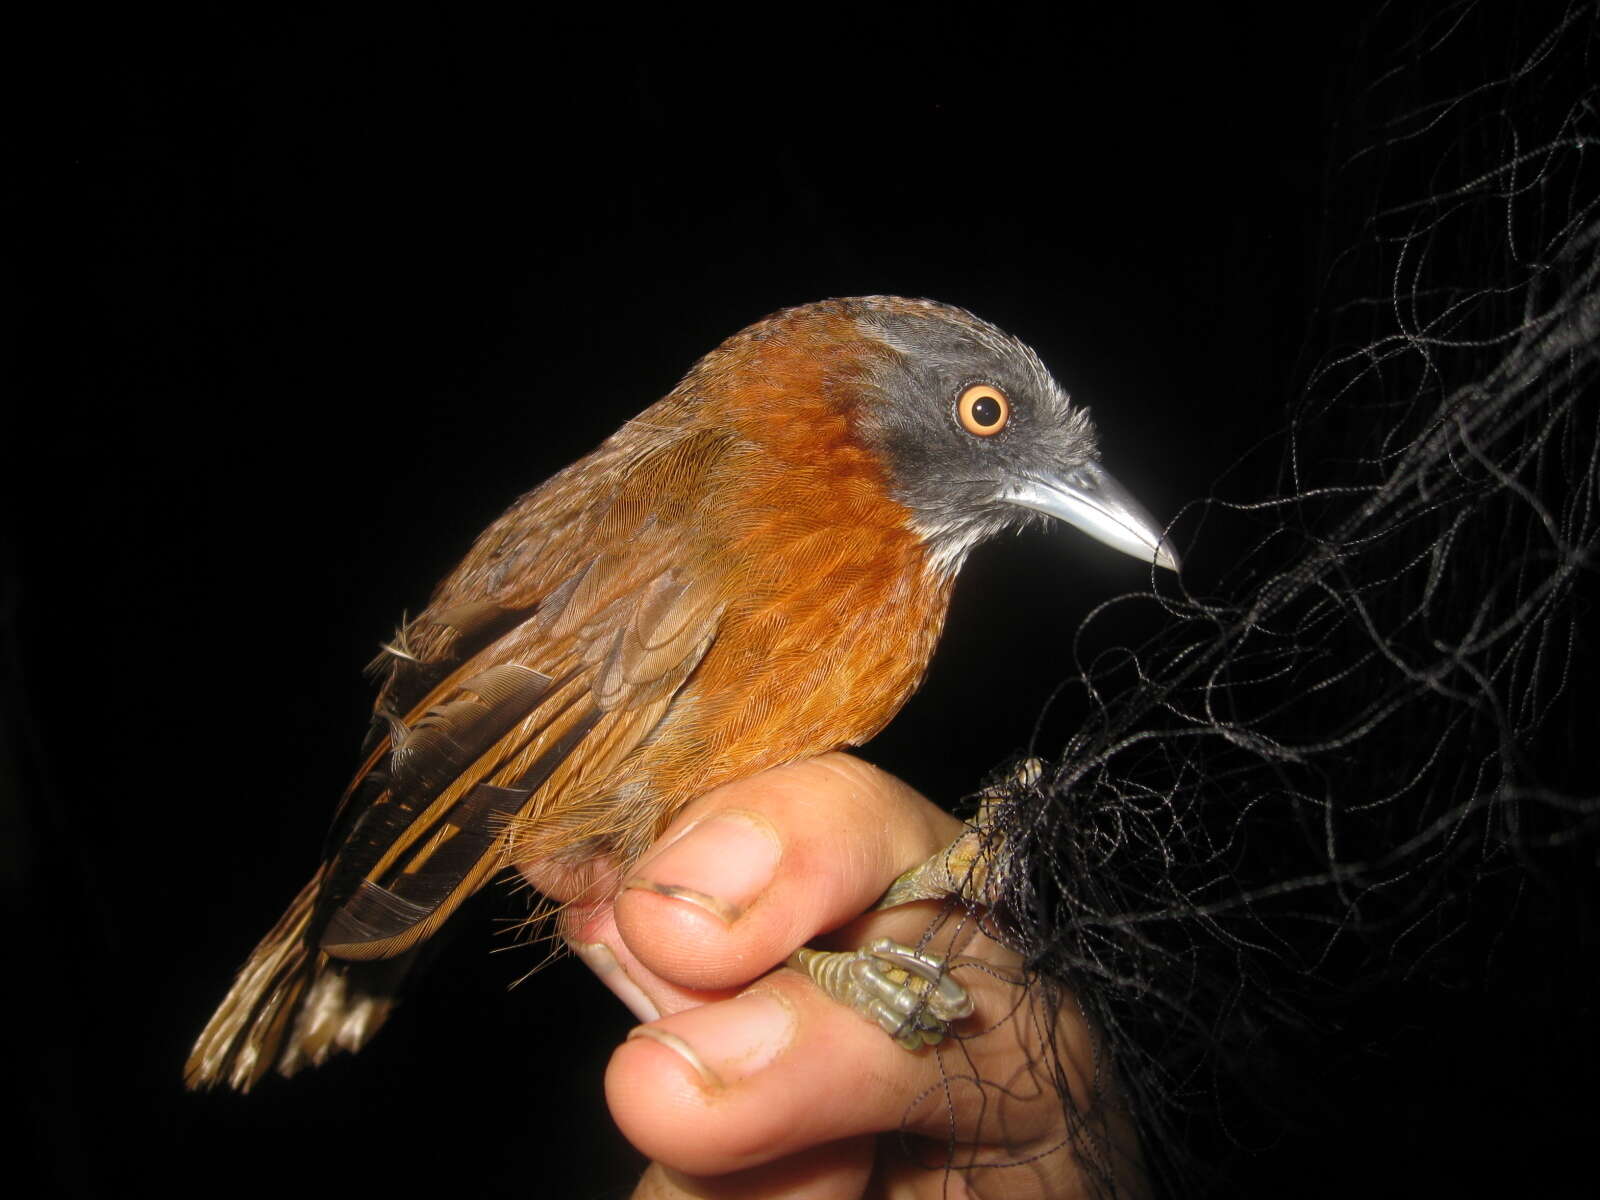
{"x": 983, "y": 410}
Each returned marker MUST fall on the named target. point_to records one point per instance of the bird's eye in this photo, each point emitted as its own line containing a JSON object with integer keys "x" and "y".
{"x": 983, "y": 410}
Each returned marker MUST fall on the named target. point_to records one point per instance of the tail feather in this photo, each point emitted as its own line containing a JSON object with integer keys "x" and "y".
{"x": 291, "y": 1006}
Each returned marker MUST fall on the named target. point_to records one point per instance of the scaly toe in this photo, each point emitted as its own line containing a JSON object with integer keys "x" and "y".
{"x": 908, "y": 993}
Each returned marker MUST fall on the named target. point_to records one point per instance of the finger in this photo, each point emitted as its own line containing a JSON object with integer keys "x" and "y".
{"x": 839, "y": 1171}
{"x": 742, "y": 877}
{"x": 591, "y": 934}
{"x": 780, "y": 1068}
{"x": 983, "y": 1100}
{"x": 757, "y": 868}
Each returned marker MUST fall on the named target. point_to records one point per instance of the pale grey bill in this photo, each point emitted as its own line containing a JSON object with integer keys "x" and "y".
{"x": 1092, "y": 500}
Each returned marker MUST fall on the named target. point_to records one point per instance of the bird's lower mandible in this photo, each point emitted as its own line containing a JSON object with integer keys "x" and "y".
{"x": 753, "y": 571}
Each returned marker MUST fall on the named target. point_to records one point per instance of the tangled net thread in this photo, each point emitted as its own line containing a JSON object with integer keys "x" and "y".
{"x": 1337, "y": 745}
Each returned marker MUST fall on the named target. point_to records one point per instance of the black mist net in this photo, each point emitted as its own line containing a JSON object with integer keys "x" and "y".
{"x": 1357, "y": 749}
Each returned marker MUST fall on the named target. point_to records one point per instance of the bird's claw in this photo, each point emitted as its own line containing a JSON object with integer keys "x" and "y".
{"x": 908, "y": 993}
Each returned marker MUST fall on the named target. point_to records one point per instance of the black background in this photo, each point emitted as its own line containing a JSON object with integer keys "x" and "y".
{"x": 308, "y": 303}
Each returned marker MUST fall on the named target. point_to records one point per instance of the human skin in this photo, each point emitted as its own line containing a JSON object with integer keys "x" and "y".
{"x": 750, "y": 1082}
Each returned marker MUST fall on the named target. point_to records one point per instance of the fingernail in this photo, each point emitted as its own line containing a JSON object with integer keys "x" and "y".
{"x": 600, "y": 959}
{"x": 720, "y": 864}
{"x": 729, "y": 1041}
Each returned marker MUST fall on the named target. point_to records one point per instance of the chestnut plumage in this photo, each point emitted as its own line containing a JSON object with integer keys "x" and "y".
{"x": 754, "y": 570}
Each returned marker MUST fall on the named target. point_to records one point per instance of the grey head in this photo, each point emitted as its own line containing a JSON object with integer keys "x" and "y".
{"x": 979, "y": 437}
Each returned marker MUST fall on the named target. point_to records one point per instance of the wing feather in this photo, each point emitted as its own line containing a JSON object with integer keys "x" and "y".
{"x": 569, "y": 689}
{"x": 547, "y": 658}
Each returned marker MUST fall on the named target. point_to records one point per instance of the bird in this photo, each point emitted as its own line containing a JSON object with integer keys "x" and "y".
{"x": 753, "y": 571}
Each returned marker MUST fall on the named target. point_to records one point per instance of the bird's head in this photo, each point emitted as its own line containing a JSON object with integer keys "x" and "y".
{"x": 978, "y": 436}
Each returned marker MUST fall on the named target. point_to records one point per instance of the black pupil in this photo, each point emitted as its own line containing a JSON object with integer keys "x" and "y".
{"x": 986, "y": 410}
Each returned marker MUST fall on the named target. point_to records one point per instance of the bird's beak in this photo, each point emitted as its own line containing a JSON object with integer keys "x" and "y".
{"x": 1100, "y": 506}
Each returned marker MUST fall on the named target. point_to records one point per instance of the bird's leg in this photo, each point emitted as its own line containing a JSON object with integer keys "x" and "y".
{"x": 906, "y": 991}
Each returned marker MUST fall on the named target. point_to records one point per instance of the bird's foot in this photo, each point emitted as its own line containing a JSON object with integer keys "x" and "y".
{"x": 908, "y": 993}
{"x": 966, "y": 867}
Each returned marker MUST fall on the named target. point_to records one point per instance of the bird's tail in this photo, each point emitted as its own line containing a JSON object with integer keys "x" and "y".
{"x": 290, "y": 1006}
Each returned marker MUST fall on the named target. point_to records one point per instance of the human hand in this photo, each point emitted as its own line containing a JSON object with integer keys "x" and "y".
{"x": 768, "y": 1088}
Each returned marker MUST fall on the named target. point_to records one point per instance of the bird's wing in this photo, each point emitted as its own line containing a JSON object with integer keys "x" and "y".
{"x": 556, "y": 678}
